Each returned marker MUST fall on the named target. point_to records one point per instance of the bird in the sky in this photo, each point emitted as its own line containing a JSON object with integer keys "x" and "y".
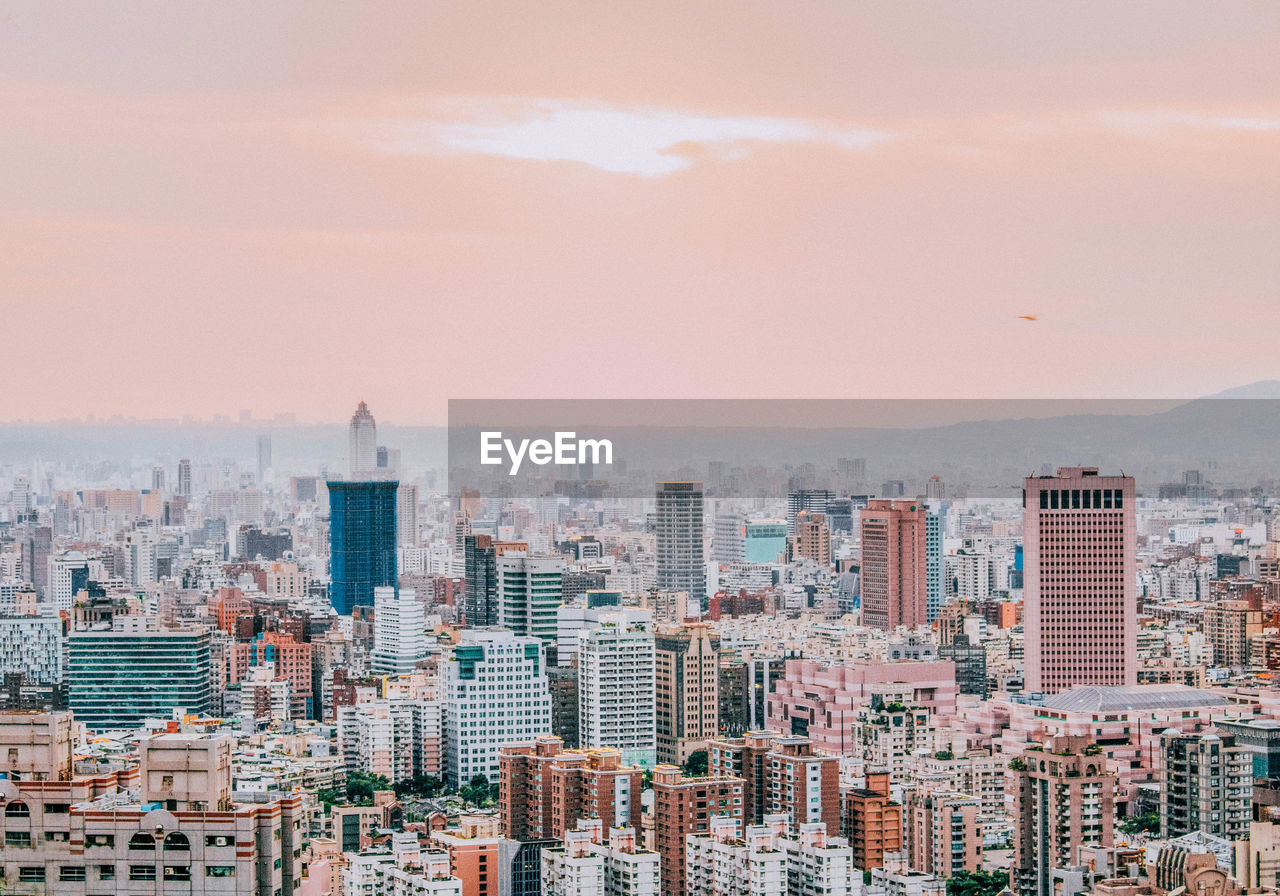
{"x": 1028, "y": 317}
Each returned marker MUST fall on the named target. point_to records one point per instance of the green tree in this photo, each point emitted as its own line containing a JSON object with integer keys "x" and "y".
{"x": 1147, "y": 823}
{"x": 696, "y": 765}
{"x": 361, "y": 786}
{"x": 420, "y": 785}
{"x": 977, "y": 883}
{"x": 479, "y": 792}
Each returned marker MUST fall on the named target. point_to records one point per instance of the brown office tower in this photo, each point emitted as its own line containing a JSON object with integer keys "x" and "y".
{"x": 545, "y": 790}
{"x": 1064, "y": 797}
{"x": 684, "y": 806}
{"x": 687, "y": 684}
{"x": 781, "y": 775}
{"x": 894, "y": 589}
{"x": 872, "y": 822}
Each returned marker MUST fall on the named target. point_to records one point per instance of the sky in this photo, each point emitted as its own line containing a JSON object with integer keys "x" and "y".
{"x": 293, "y": 206}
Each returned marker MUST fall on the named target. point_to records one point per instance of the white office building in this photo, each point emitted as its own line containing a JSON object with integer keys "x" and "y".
{"x": 399, "y": 631}
{"x": 616, "y": 697}
{"x": 496, "y": 692}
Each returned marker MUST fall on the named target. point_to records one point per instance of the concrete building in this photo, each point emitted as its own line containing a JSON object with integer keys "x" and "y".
{"x": 406, "y": 869}
{"x": 782, "y": 776}
{"x": 544, "y": 790}
{"x": 822, "y": 701}
{"x": 495, "y": 689}
{"x": 616, "y": 696}
{"x": 812, "y": 537}
{"x": 31, "y": 646}
{"x": 1063, "y": 799}
{"x": 872, "y": 821}
{"x": 529, "y": 593}
{"x": 1229, "y": 625}
{"x": 1206, "y": 785}
{"x": 587, "y": 865}
{"x": 1080, "y": 606}
{"x": 763, "y": 860}
{"x": 399, "y": 631}
{"x": 684, "y": 806}
{"x": 678, "y": 524}
{"x": 687, "y": 664}
{"x": 164, "y": 824}
{"x": 136, "y": 671}
{"x": 894, "y": 569}
{"x": 943, "y": 836}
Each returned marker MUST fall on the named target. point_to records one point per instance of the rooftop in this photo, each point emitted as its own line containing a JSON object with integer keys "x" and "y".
{"x": 1139, "y": 697}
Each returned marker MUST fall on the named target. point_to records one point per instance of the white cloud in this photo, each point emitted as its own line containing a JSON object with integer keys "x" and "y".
{"x": 649, "y": 142}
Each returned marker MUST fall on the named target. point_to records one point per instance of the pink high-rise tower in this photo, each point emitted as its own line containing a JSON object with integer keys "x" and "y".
{"x": 1080, "y": 610}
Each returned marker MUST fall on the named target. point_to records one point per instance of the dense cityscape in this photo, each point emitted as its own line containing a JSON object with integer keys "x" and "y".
{"x": 223, "y": 676}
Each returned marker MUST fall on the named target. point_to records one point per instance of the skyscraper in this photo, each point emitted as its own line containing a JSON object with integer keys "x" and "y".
{"x": 264, "y": 457}
{"x": 407, "y": 515}
{"x": 814, "y": 500}
{"x": 933, "y": 560}
{"x": 1080, "y": 608}
{"x": 399, "y": 631}
{"x": 687, "y": 669}
{"x": 729, "y": 544}
{"x": 184, "y": 478}
{"x": 480, "y": 572}
{"x": 894, "y": 568}
{"x": 529, "y": 593}
{"x": 616, "y": 691}
{"x": 362, "y": 453}
{"x": 362, "y": 542}
{"x": 678, "y": 526}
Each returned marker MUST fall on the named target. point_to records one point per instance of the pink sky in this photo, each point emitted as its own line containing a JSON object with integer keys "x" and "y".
{"x": 292, "y": 206}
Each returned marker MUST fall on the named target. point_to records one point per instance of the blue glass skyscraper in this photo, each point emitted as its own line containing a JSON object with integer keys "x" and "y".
{"x": 362, "y": 542}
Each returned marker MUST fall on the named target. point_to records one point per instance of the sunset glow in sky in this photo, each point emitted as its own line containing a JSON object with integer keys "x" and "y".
{"x": 296, "y": 205}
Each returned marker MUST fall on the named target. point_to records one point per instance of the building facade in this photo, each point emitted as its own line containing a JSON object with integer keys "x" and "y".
{"x": 1080, "y": 608}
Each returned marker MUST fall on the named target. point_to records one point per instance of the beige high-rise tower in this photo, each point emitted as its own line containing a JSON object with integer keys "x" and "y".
{"x": 687, "y": 685}
{"x": 1080, "y": 608}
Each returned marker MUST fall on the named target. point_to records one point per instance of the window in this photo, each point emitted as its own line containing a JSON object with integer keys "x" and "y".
{"x": 177, "y": 872}
{"x": 142, "y": 840}
{"x": 57, "y": 808}
{"x": 142, "y": 872}
{"x": 106, "y": 872}
{"x": 17, "y": 838}
{"x": 219, "y": 870}
{"x": 71, "y": 873}
{"x": 31, "y": 874}
{"x": 17, "y": 809}
{"x": 218, "y": 840}
{"x": 177, "y": 840}
{"x": 100, "y": 840}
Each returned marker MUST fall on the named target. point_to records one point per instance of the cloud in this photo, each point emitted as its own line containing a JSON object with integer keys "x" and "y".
{"x": 648, "y": 142}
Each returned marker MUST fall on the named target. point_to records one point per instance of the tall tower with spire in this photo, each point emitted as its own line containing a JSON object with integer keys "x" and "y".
{"x": 362, "y": 455}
